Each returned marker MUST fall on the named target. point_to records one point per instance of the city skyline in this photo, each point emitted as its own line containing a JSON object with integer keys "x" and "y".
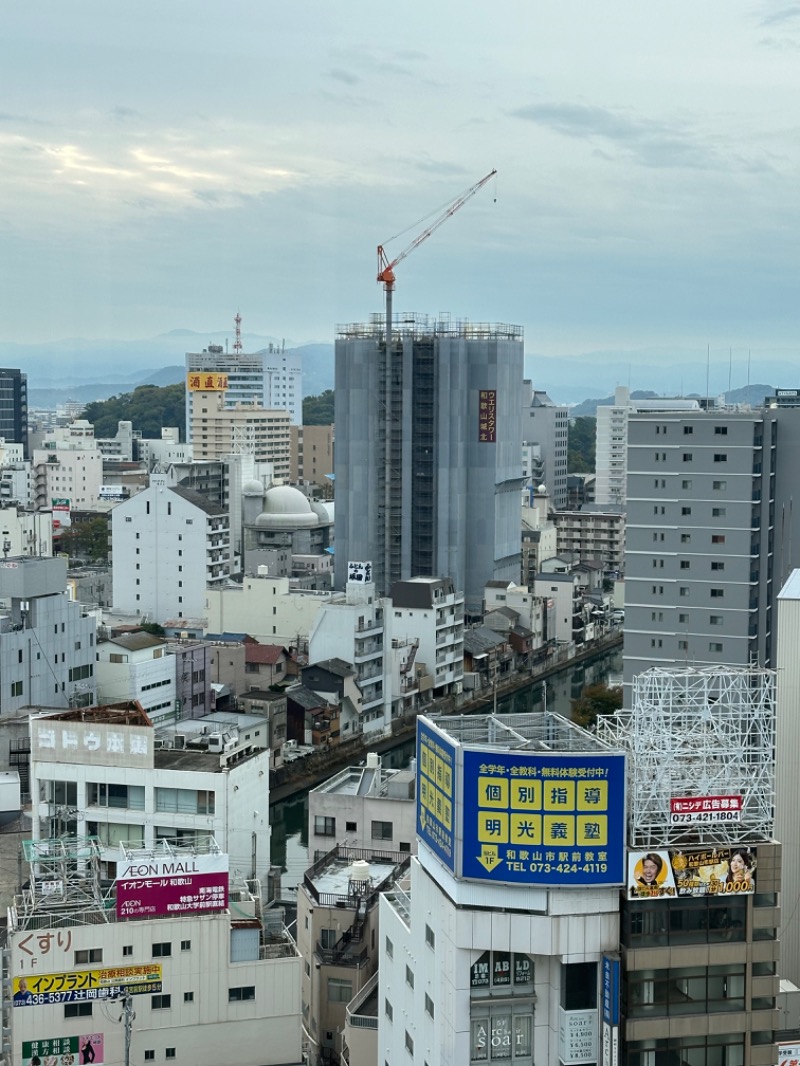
{"x": 165, "y": 166}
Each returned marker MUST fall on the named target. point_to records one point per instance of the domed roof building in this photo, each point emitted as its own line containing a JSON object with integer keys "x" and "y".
{"x": 288, "y": 526}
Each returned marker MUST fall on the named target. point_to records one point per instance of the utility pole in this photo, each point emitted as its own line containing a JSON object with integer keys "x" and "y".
{"x": 128, "y": 1015}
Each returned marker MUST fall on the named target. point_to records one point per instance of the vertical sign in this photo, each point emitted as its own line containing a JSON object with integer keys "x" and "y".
{"x": 610, "y": 1033}
{"x": 436, "y": 774}
{"x": 487, "y": 416}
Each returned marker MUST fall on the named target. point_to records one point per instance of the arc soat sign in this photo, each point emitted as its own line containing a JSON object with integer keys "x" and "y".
{"x": 526, "y": 817}
{"x": 691, "y": 872}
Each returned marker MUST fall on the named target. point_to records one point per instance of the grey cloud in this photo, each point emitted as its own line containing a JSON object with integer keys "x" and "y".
{"x": 123, "y": 113}
{"x": 652, "y": 143}
{"x": 344, "y": 75}
{"x": 439, "y": 166}
{"x": 781, "y": 16}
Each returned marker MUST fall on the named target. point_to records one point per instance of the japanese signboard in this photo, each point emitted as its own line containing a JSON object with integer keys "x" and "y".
{"x": 436, "y": 776}
{"x": 487, "y": 416}
{"x": 54, "y": 740}
{"x": 61, "y": 513}
{"x": 543, "y": 819}
{"x": 694, "y": 872}
{"x": 495, "y": 968}
{"x": 577, "y": 1036}
{"x": 202, "y": 381}
{"x": 80, "y": 986}
{"x": 359, "y": 571}
{"x": 609, "y": 1043}
{"x": 173, "y": 885}
{"x": 64, "y": 1050}
{"x": 788, "y": 1054}
{"x": 705, "y": 809}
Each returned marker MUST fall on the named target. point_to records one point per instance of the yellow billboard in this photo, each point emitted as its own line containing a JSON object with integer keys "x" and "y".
{"x": 203, "y": 381}
{"x": 78, "y": 986}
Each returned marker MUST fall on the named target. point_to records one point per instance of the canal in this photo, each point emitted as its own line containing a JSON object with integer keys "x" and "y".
{"x": 289, "y": 818}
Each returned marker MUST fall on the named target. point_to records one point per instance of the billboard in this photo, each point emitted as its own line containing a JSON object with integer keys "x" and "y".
{"x": 691, "y": 872}
{"x": 54, "y": 740}
{"x": 487, "y": 416}
{"x": 64, "y": 1050}
{"x": 536, "y": 818}
{"x": 197, "y": 381}
{"x": 78, "y": 986}
{"x": 173, "y": 885}
{"x": 436, "y": 782}
{"x": 789, "y": 1054}
{"x": 705, "y": 809}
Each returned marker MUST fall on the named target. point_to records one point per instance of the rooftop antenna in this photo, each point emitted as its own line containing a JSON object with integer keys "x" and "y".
{"x": 237, "y": 344}
{"x": 730, "y": 367}
{"x": 708, "y": 373}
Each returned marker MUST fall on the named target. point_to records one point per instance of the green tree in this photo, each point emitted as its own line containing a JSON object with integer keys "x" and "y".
{"x": 318, "y": 410}
{"x": 581, "y": 446}
{"x": 86, "y": 541}
{"x": 149, "y": 407}
{"x": 593, "y": 701}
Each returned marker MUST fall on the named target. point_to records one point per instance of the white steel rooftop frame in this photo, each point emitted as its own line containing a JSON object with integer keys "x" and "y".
{"x": 538, "y": 732}
{"x": 698, "y": 733}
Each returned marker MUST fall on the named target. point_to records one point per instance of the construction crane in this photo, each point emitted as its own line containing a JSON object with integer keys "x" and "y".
{"x": 386, "y": 268}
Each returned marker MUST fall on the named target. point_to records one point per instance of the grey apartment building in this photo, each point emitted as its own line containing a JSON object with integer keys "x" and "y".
{"x": 428, "y": 462}
{"x": 709, "y": 536}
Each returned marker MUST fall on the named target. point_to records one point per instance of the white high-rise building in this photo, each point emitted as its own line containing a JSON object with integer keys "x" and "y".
{"x": 495, "y": 947}
{"x": 611, "y": 456}
{"x": 272, "y": 378}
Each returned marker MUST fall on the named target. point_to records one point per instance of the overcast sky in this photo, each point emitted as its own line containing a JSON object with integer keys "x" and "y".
{"x": 164, "y": 164}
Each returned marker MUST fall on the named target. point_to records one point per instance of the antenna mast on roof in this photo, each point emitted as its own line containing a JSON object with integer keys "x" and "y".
{"x": 237, "y": 344}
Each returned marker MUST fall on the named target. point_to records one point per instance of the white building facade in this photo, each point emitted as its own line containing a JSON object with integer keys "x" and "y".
{"x": 101, "y": 772}
{"x": 137, "y": 666}
{"x": 272, "y": 378}
{"x": 169, "y": 544}
{"x": 494, "y": 948}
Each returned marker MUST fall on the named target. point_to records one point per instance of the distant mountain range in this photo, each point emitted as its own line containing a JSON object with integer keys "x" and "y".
{"x": 750, "y": 394}
{"x": 84, "y": 370}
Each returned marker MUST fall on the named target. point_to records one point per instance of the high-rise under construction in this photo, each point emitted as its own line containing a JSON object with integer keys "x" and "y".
{"x": 428, "y": 461}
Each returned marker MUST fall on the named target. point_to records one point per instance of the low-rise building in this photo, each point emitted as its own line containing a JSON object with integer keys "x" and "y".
{"x": 270, "y": 609}
{"x": 593, "y": 533}
{"x": 103, "y": 772}
{"x": 430, "y": 610}
{"x": 171, "y": 962}
{"x": 363, "y": 807}
{"x": 338, "y": 937}
{"x": 137, "y": 666}
{"x": 311, "y": 454}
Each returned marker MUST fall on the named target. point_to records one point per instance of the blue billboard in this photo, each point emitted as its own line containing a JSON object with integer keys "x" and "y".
{"x": 436, "y": 784}
{"x": 537, "y": 818}
{"x": 610, "y": 990}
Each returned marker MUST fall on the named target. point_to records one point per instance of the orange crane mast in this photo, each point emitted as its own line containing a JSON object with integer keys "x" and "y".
{"x": 386, "y": 268}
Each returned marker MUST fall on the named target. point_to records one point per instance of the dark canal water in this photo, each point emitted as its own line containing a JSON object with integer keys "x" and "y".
{"x": 289, "y": 818}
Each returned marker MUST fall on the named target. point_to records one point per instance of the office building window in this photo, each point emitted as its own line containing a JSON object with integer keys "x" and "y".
{"x": 429, "y": 1005}
{"x": 717, "y": 594}
{"x": 163, "y": 950}
{"x": 243, "y": 993}
{"x": 713, "y": 646}
{"x": 685, "y": 564}
{"x": 721, "y": 431}
{"x": 382, "y": 830}
{"x": 718, "y": 512}
{"x": 430, "y": 937}
{"x": 324, "y": 827}
{"x": 687, "y": 457}
{"x": 163, "y": 1002}
{"x": 717, "y": 566}
{"x": 719, "y": 486}
{"x": 718, "y": 538}
{"x": 720, "y": 457}
{"x": 686, "y": 510}
{"x": 388, "y": 1010}
{"x": 409, "y": 976}
{"x": 78, "y": 1010}
{"x": 686, "y": 484}
{"x": 688, "y": 429}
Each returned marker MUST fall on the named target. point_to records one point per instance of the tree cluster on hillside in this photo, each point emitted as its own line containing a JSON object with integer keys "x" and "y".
{"x": 594, "y": 701}
{"x": 318, "y": 410}
{"x": 148, "y": 407}
{"x": 581, "y": 447}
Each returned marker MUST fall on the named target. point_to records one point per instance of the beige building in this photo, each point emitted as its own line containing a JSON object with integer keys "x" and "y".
{"x": 218, "y": 431}
{"x": 266, "y": 608}
{"x": 311, "y": 454}
{"x": 592, "y": 534}
{"x": 337, "y": 935}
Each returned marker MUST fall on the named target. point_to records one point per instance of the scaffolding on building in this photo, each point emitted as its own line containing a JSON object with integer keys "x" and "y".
{"x": 63, "y": 887}
{"x": 698, "y": 734}
{"x": 414, "y": 324}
